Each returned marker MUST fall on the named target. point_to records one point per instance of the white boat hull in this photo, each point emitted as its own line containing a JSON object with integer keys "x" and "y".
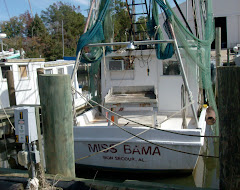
{"x": 136, "y": 154}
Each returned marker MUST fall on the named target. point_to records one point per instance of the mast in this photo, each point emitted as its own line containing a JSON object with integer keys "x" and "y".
{"x": 80, "y": 52}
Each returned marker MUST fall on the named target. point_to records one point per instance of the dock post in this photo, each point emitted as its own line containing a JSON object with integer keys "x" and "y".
{"x": 229, "y": 122}
{"x": 40, "y": 71}
{"x": 56, "y": 103}
{"x": 11, "y": 88}
{"x": 228, "y": 57}
{"x": 218, "y": 46}
{"x": 218, "y": 54}
{"x": 40, "y": 166}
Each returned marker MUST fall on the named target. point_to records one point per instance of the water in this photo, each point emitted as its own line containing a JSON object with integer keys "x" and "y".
{"x": 205, "y": 175}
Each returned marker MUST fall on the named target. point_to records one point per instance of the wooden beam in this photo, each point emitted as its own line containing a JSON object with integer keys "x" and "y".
{"x": 25, "y": 60}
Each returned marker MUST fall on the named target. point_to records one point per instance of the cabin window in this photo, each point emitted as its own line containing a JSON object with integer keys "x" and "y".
{"x": 171, "y": 68}
{"x": 4, "y": 70}
{"x": 23, "y": 71}
{"x": 61, "y": 71}
{"x": 122, "y": 63}
{"x": 48, "y": 71}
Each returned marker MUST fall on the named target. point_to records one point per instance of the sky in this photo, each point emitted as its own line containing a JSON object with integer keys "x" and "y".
{"x": 17, "y": 7}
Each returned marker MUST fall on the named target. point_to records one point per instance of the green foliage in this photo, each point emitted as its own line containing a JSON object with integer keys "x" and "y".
{"x": 42, "y": 36}
{"x": 73, "y": 25}
{"x": 14, "y": 27}
{"x": 36, "y": 28}
{"x": 142, "y": 27}
{"x": 122, "y": 23}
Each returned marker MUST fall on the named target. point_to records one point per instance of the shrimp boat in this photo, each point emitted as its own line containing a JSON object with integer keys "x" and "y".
{"x": 148, "y": 110}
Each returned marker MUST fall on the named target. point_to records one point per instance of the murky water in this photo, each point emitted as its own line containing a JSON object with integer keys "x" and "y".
{"x": 205, "y": 175}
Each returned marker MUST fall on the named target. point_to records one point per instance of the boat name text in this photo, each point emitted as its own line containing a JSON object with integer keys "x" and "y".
{"x": 127, "y": 149}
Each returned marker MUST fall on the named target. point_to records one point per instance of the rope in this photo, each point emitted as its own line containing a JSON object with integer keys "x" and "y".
{"x": 7, "y": 115}
{"x": 133, "y": 136}
{"x": 144, "y": 125}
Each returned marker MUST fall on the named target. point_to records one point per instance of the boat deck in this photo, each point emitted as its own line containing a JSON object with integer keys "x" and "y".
{"x": 136, "y": 98}
{"x": 145, "y": 117}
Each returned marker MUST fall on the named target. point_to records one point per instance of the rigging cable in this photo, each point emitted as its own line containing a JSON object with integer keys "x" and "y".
{"x": 195, "y": 17}
{"x": 30, "y": 7}
{"x": 133, "y": 135}
{"x": 7, "y": 10}
{"x": 180, "y": 11}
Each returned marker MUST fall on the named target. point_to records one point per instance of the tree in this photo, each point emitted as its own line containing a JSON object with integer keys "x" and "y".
{"x": 14, "y": 27}
{"x": 37, "y": 28}
{"x": 27, "y": 20}
{"x": 122, "y": 22}
{"x": 142, "y": 27}
{"x": 73, "y": 25}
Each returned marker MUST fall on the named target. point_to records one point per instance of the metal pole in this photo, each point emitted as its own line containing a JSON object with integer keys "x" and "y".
{"x": 127, "y": 43}
{"x": 185, "y": 79}
{"x": 183, "y": 72}
{"x": 62, "y": 38}
{"x": 89, "y": 16}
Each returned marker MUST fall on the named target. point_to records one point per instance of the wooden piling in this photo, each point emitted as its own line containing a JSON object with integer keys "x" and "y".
{"x": 218, "y": 53}
{"x": 218, "y": 46}
{"x": 229, "y": 122}
{"x": 228, "y": 57}
{"x": 40, "y": 166}
{"x": 11, "y": 88}
{"x": 40, "y": 71}
{"x": 56, "y": 103}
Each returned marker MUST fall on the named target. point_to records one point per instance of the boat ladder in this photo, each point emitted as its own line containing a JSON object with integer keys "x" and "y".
{"x": 138, "y": 9}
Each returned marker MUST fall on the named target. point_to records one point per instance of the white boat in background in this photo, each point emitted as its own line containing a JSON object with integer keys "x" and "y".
{"x": 25, "y": 78}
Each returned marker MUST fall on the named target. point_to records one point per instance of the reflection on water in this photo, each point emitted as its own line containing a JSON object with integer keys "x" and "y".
{"x": 206, "y": 173}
